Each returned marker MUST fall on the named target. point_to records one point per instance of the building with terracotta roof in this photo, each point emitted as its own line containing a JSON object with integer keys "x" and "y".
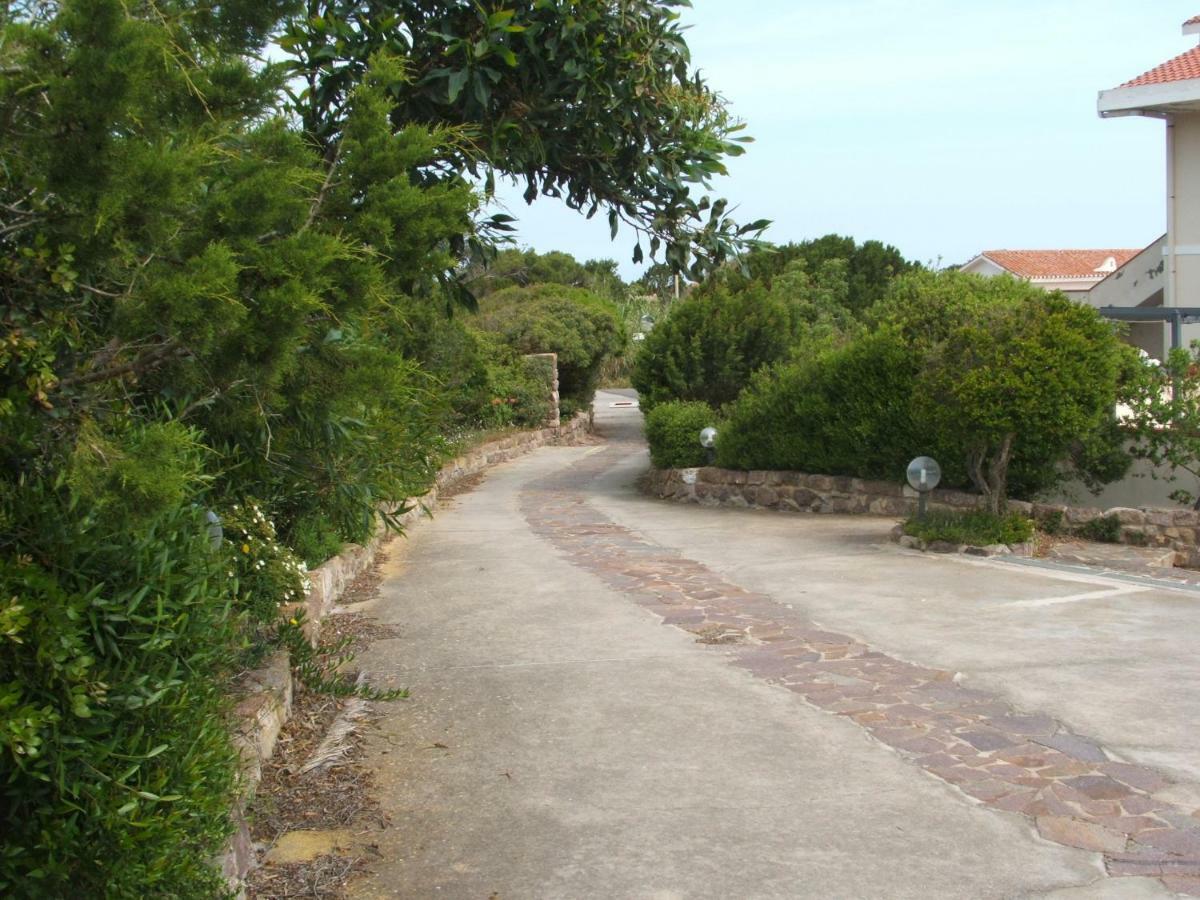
{"x": 1163, "y": 283}
{"x": 1074, "y": 272}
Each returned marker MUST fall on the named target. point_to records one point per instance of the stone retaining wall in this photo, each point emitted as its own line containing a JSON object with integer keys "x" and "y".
{"x": 1176, "y": 529}
{"x": 266, "y": 703}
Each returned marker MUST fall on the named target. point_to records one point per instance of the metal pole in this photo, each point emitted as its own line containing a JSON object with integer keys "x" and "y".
{"x": 922, "y": 504}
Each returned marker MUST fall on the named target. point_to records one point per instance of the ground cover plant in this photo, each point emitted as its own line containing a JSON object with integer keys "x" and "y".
{"x": 976, "y": 527}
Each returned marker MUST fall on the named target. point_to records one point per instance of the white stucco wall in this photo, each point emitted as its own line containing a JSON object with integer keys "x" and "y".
{"x": 1184, "y": 163}
{"x": 1137, "y": 283}
{"x": 984, "y": 267}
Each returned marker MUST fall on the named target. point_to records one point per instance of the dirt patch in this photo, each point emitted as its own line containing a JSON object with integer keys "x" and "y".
{"x": 335, "y": 801}
{"x": 325, "y": 876}
{"x": 461, "y": 486}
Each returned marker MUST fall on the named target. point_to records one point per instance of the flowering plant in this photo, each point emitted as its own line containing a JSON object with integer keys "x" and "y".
{"x": 268, "y": 574}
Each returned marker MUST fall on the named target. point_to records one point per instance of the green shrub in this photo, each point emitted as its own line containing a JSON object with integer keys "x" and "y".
{"x": 1103, "y": 529}
{"x": 709, "y": 345}
{"x": 673, "y": 433}
{"x": 977, "y": 527}
{"x": 843, "y": 412}
{"x": 267, "y": 573}
{"x": 1052, "y": 522}
{"x": 1015, "y": 382}
{"x": 580, "y": 327}
{"x": 520, "y": 388}
{"x": 117, "y": 772}
{"x": 314, "y": 539}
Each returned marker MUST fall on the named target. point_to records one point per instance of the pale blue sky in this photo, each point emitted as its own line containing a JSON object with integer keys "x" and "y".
{"x": 941, "y": 126}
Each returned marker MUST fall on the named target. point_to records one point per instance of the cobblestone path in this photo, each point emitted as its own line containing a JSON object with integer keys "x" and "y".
{"x": 1005, "y": 758}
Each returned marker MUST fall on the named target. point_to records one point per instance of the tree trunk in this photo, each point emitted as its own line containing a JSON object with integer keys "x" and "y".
{"x": 998, "y": 476}
{"x": 989, "y": 475}
{"x": 975, "y": 471}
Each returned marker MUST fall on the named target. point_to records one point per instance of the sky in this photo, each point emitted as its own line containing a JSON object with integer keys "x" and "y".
{"x": 942, "y": 127}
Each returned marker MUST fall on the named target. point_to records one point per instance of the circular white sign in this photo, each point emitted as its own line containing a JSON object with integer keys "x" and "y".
{"x": 924, "y": 474}
{"x": 708, "y": 437}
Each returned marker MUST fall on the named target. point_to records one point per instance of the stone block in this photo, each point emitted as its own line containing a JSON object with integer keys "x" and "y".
{"x": 1077, "y": 833}
{"x": 1127, "y": 516}
{"x": 758, "y": 476}
{"x": 821, "y": 482}
{"x": 766, "y": 496}
{"x": 882, "y": 489}
{"x": 805, "y": 498}
{"x": 1185, "y": 518}
{"x": 1081, "y": 515}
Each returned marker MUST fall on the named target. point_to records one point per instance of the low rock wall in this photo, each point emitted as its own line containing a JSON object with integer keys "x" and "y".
{"x": 266, "y": 702}
{"x": 1176, "y": 529}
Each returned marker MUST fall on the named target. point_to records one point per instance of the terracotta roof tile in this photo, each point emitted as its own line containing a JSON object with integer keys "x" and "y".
{"x": 1194, "y": 20}
{"x": 1181, "y": 68}
{"x": 1058, "y": 263}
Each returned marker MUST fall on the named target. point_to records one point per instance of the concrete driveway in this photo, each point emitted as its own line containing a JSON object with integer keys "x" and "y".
{"x": 825, "y": 715}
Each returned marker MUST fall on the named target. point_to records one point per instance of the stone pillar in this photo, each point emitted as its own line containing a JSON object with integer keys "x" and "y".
{"x": 550, "y": 360}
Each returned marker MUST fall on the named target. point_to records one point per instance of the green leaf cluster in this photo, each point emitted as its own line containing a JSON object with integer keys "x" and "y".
{"x": 581, "y": 328}
{"x": 595, "y": 103}
{"x": 673, "y": 433}
{"x": 787, "y": 302}
{"x": 1164, "y": 415}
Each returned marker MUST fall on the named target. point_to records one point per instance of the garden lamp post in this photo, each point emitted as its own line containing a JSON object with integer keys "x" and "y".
{"x": 923, "y": 476}
{"x": 708, "y": 440}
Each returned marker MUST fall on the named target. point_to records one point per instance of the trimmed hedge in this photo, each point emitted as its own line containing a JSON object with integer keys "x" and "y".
{"x": 843, "y": 412}
{"x": 710, "y": 345}
{"x": 673, "y": 432}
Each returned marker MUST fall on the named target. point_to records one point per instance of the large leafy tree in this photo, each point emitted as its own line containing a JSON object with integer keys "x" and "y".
{"x": 594, "y": 102}
{"x": 1032, "y": 382}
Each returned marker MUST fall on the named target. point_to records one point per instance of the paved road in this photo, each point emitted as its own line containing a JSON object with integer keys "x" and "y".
{"x": 824, "y": 715}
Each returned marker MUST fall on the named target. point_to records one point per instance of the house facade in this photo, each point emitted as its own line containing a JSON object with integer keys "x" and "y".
{"x": 1166, "y": 277}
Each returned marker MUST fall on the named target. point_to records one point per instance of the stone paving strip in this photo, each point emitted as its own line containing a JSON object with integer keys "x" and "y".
{"x": 1003, "y": 757}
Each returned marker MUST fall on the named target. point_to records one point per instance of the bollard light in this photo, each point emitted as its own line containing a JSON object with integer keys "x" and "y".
{"x": 708, "y": 440}
{"x": 923, "y": 475}
{"x": 215, "y": 532}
